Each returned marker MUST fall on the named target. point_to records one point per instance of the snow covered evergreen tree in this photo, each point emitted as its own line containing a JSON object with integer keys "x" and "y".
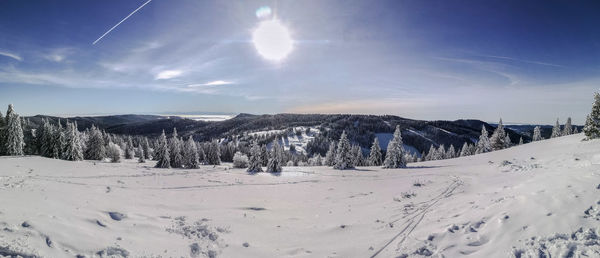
{"x": 113, "y": 152}
{"x": 201, "y": 153}
{"x": 264, "y": 155}
{"x": 507, "y": 142}
{"x": 141, "y": 154}
{"x": 330, "y": 155}
{"x": 537, "y": 134}
{"x": 556, "y": 130}
{"x": 2, "y": 128}
{"x": 95, "y": 149}
{"x": 451, "y": 153}
{"x": 575, "y": 130}
{"x": 255, "y": 160}
{"x": 274, "y": 163}
{"x": 431, "y": 153}
{"x": 73, "y": 149}
{"x": 359, "y": 159}
{"x": 521, "y": 141}
{"x": 483, "y": 145}
{"x": 343, "y": 154}
{"x": 176, "y": 158}
{"x": 498, "y": 137}
{"x": 568, "y": 128}
{"x": 375, "y": 157}
{"x": 162, "y": 154}
{"x": 190, "y": 154}
{"x": 146, "y": 148}
{"x": 240, "y": 160}
{"x": 592, "y": 122}
{"x": 465, "y": 150}
{"x": 58, "y": 142}
{"x": 440, "y": 153}
{"x": 129, "y": 149}
{"x": 394, "y": 157}
{"x": 213, "y": 153}
{"x": 13, "y": 142}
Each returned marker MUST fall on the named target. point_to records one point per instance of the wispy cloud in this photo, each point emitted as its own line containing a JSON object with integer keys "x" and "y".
{"x": 58, "y": 55}
{"x": 11, "y": 55}
{"x": 168, "y": 74}
{"x": 127, "y": 17}
{"x": 522, "y": 60}
{"x": 213, "y": 83}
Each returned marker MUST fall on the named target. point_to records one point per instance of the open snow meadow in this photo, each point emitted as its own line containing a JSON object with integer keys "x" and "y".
{"x": 535, "y": 200}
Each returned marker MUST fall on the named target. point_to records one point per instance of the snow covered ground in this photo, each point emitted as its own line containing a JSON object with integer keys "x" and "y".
{"x": 539, "y": 198}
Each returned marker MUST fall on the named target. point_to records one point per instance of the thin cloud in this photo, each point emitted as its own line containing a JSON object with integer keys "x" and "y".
{"x": 213, "y": 83}
{"x": 127, "y": 17}
{"x": 522, "y": 60}
{"x": 11, "y": 55}
{"x": 168, "y": 74}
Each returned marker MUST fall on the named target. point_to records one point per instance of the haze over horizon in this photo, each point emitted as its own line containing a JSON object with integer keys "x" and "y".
{"x": 527, "y": 62}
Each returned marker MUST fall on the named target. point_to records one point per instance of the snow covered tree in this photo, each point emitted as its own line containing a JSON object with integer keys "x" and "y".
{"x": 73, "y": 149}
{"x": 343, "y": 154}
{"x": 146, "y": 148}
{"x": 255, "y": 161}
{"x": 176, "y": 158}
{"x": 394, "y": 157}
{"x": 483, "y": 145}
{"x": 568, "y": 128}
{"x": 113, "y": 152}
{"x": 129, "y": 149}
{"x": 274, "y": 163}
{"x": 330, "y": 155}
{"x": 2, "y": 125}
{"x": 190, "y": 154}
{"x": 359, "y": 159}
{"x": 507, "y": 142}
{"x": 431, "y": 153}
{"x": 375, "y": 157}
{"x": 537, "y": 134}
{"x": 556, "y": 130}
{"x": 264, "y": 155}
{"x": 14, "y": 142}
{"x": 451, "y": 153}
{"x": 465, "y": 150}
{"x": 440, "y": 153}
{"x": 240, "y": 160}
{"x": 521, "y": 141}
{"x": 213, "y": 153}
{"x": 162, "y": 152}
{"x": 592, "y": 122}
{"x": 277, "y": 151}
{"x": 95, "y": 149}
{"x": 575, "y": 130}
{"x": 141, "y": 154}
{"x": 498, "y": 137}
{"x": 58, "y": 142}
{"x": 201, "y": 153}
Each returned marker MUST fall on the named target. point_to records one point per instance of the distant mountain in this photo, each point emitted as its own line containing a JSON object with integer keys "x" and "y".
{"x": 418, "y": 135}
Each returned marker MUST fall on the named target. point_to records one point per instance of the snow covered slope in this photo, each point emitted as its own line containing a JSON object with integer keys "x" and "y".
{"x": 538, "y": 198}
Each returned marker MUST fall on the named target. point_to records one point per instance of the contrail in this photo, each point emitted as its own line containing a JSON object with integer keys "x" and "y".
{"x": 121, "y": 22}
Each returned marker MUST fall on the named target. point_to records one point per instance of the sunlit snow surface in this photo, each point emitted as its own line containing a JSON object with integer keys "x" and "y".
{"x": 539, "y": 198}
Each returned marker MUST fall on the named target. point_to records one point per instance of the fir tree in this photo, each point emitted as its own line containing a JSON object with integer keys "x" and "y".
{"x": 95, "y": 145}
{"x": 255, "y": 161}
{"x": 162, "y": 152}
{"x": 483, "y": 145}
{"x": 113, "y": 152}
{"x": 141, "y": 154}
{"x": 556, "y": 130}
{"x": 498, "y": 137}
{"x": 343, "y": 154}
{"x": 58, "y": 142}
{"x": 330, "y": 156}
{"x": 2, "y": 129}
{"x": 592, "y": 122}
{"x": 451, "y": 153}
{"x": 201, "y": 153}
{"x": 192, "y": 160}
{"x": 507, "y": 142}
{"x": 213, "y": 154}
{"x": 537, "y": 134}
{"x": 274, "y": 164}
{"x": 575, "y": 130}
{"x": 521, "y": 141}
{"x": 465, "y": 150}
{"x": 73, "y": 149}
{"x": 375, "y": 157}
{"x": 14, "y": 142}
{"x": 176, "y": 158}
{"x": 146, "y": 148}
{"x": 440, "y": 153}
{"x": 394, "y": 157}
{"x": 359, "y": 159}
{"x": 430, "y": 153}
{"x": 568, "y": 128}
{"x": 129, "y": 149}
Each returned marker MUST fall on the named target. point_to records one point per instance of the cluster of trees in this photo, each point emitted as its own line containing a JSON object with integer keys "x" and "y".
{"x": 592, "y": 121}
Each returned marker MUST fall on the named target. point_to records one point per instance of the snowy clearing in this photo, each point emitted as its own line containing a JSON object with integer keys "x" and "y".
{"x": 526, "y": 201}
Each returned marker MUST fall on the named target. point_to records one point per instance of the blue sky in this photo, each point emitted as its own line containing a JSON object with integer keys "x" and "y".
{"x": 524, "y": 61}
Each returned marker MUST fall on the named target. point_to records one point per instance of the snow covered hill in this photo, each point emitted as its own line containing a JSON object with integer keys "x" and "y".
{"x": 536, "y": 200}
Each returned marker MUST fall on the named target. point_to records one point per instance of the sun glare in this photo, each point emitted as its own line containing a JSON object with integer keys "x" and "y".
{"x": 272, "y": 40}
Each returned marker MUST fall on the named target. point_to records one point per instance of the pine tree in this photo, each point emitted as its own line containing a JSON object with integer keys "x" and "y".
{"x": 129, "y": 149}
{"x": 213, "y": 155}
{"x": 394, "y": 157}
{"x": 162, "y": 152}
{"x": 201, "y": 154}
{"x": 592, "y": 122}
{"x": 507, "y": 142}
{"x": 73, "y": 148}
{"x": 274, "y": 164}
{"x": 45, "y": 139}
{"x": 146, "y": 148}
{"x": 330, "y": 156}
{"x": 451, "y": 153}
{"x": 2, "y": 130}
{"x": 343, "y": 154}
{"x": 498, "y": 137}
{"x": 58, "y": 142}
{"x": 440, "y": 153}
{"x": 176, "y": 158}
{"x": 141, "y": 154}
{"x": 556, "y": 130}
{"x": 483, "y": 145}
{"x": 255, "y": 160}
{"x": 359, "y": 159}
{"x": 521, "y": 141}
{"x": 575, "y": 130}
{"x": 95, "y": 145}
{"x": 465, "y": 150}
{"x": 191, "y": 158}
{"x": 375, "y": 157}
{"x": 537, "y": 134}
{"x": 264, "y": 155}
{"x": 113, "y": 152}
{"x": 430, "y": 153}
{"x": 568, "y": 128}
{"x": 14, "y": 142}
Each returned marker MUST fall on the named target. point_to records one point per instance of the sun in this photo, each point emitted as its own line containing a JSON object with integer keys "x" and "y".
{"x": 272, "y": 40}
